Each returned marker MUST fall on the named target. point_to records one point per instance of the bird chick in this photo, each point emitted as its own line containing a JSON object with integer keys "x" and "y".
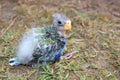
{"x": 43, "y": 45}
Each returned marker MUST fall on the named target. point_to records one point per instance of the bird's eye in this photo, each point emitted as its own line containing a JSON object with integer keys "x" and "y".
{"x": 59, "y": 22}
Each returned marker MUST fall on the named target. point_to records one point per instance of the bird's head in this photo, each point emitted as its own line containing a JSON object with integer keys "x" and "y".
{"x": 61, "y": 22}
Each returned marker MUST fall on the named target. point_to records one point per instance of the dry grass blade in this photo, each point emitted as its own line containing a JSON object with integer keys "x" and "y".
{"x": 9, "y": 26}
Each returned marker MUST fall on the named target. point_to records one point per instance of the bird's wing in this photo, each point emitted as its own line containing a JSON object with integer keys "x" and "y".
{"x": 50, "y": 47}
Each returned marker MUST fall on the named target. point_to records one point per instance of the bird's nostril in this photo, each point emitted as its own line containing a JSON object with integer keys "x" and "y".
{"x": 68, "y": 22}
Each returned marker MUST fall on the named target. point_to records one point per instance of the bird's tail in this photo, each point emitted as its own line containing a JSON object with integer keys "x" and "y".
{"x": 14, "y": 62}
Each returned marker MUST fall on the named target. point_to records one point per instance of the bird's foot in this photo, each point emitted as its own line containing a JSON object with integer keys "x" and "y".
{"x": 68, "y": 55}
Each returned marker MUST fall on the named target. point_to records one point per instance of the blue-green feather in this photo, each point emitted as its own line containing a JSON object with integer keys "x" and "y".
{"x": 50, "y": 45}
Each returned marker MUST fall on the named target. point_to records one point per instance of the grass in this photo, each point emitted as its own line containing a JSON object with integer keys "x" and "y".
{"x": 96, "y": 39}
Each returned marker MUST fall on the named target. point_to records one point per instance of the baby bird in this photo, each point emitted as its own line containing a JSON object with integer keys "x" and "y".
{"x": 43, "y": 45}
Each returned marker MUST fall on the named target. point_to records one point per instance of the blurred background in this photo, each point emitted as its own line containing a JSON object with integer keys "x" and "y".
{"x": 95, "y": 35}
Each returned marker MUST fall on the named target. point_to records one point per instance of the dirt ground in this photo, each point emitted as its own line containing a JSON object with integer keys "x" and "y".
{"x": 97, "y": 31}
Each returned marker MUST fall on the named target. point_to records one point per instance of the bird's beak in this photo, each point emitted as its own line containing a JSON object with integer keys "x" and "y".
{"x": 68, "y": 26}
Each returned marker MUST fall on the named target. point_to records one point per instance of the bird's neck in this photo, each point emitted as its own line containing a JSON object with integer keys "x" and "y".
{"x": 62, "y": 33}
